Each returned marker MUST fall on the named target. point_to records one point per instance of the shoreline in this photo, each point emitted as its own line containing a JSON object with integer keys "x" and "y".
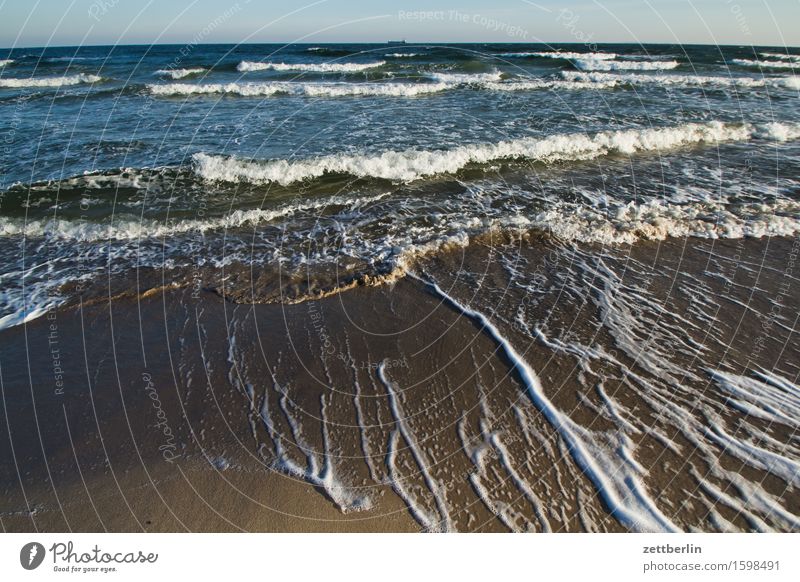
{"x": 427, "y": 423}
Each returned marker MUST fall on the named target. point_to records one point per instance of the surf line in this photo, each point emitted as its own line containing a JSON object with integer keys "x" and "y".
{"x": 623, "y": 494}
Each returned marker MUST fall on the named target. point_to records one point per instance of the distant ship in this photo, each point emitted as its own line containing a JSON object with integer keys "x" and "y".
{"x": 396, "y": 42}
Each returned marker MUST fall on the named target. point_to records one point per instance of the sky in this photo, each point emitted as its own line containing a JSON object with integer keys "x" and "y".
{"x": 93, "y": 22}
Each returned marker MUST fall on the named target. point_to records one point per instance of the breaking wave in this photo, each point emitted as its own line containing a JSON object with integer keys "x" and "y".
{"x": 179, "y": 73}
{"x": 249, "y": 66}
{"x": 684, "y": 80}
{"x": 618, "y": 223}
{"x": 309, "y": 89}
{"x": 766, "y": 64}
{"x": 130, "y": 229}
{"x": 560, "y": 55}
{"x": 51, "y": 81}
{"x": 494, "y": 81}
{"x": 413, "y": 164}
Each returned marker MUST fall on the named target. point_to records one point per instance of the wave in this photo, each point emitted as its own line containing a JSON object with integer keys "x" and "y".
{"x": 766, "y": 64}
{"x": 249, "y": 66}
{"x": 402, "y": 55}
{"x": 617, "y": 223}
{"x": 413, "y": 164}
{"x": 269, "y": 89}
{"x": 330, "y": 51}
{"x": 135, "y": 229}
{"x": 549, "y": 84}
{"x": 4, "y": 62}
{"x": 617, "y": 479}
{"x": 561, "y": 55}
{"x": 467, "y": 78}
{"x": 613, "y": 65}
{"x": 687, "y": 80}
{"x": 782, "y": 56}
{"x": 51, "y": 81}
{"x": 179, "y": 73}
{"x": 571, "y": 80}
{"x": 630, "y": 222}
{"x": 374, "y": 89}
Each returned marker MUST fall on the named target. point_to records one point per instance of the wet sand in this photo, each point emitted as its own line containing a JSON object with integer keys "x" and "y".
{"x": 394, "y": 407}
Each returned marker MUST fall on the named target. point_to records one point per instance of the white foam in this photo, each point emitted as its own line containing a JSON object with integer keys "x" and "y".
{"x": 403, "y": 55}
{"x": 783, "y": 56}
{"x": 269, "y": 89}
{"x": 4, "y": 62}
{"x": 421, "y": 514}
{"x": 51, "y": 81}
{"x": 374, "y": 89}
{"x": 788, "y": 82}
{"x": 416, "y": 451}
{"x": 179, "y": 73}
{"x": 504, "y": 457}
{"x": 771, "y": 397}
{"x": 651, "y": 333}
{"x": 779, "y": 131}
{"x": 616, "y": 477}
{"x": 687, "y": 80}
{"x": 249, "y": 66}
{"x": 548, "y": 84}
{"x": 629, "y": 223}
{"x": 23, "y": 316}
{"x": 413, "y": 164}
{"x": 766, "y": 64}
{"x": 593, "y": 64}
{"x": 467, "y": 78}
{"x": 561, "y": 55}
{"x": 320, "y": 475}
{"x": 243, "y": 89}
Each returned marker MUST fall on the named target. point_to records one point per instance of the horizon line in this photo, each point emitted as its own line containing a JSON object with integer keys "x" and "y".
{"x": 387, "y": 43}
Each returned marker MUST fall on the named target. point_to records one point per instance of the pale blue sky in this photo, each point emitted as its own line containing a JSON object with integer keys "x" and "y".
{"x": 75, "y": 22}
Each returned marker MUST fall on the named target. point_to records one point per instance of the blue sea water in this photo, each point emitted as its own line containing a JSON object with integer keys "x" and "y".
{"x": 365, "y": 155}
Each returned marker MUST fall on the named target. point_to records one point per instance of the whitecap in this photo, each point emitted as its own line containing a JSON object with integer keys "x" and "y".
{"x": 413, "y": 164}
{"x": 51, "y": 81}
{"x": 249, "y": 66}
{"x": 179, "y": 73}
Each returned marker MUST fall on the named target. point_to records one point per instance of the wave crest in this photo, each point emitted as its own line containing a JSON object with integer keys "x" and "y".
{"x": 782, "y": 56}
{"x": 179, "y": 73}
{"x": 413, "y": 164}
{"x": 613, "y": 65}
{"x": 249, "y": 66}
{"x": 766, "y": 64}
{"x": 684, "y": 80}
{"x": 269, "y": 89}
